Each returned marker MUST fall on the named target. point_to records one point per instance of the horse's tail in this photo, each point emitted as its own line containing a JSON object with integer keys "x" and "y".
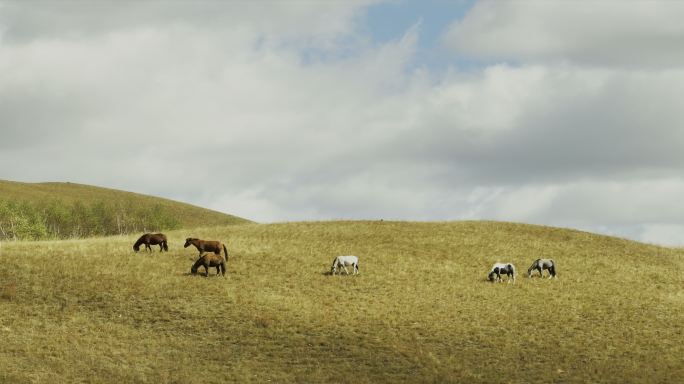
{"x": 552, "y": 269}
{"x": 512, "y": 268}
{"x": 225, "y": 250}
{"x": 165, "y": 244}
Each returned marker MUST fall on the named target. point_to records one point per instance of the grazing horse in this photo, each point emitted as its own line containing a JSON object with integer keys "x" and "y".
{"x": 206, "y": 246}
{"x": 342, "y": 262}
{"x": 498, "y": 269}
{"x": 152, "y": 239}
{"x": 210, "y": 260}
{"x": 542, "y": 264}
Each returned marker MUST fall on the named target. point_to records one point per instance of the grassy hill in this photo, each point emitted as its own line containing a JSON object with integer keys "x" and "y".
{"x": 420, "y": 310}
{"x": 41, "y": 210}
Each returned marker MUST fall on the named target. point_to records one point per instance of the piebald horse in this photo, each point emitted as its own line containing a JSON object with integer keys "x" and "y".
{"x": 206, "y": 246}
{"x": 542, "y": 264}
{"x": 502, "y": 268}
{"x": 210, "y": 260}
{"x": 152, "y": 239}
{"x": 343, "y": 262}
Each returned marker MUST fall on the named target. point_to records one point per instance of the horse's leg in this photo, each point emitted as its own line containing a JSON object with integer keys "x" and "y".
{"x": 345, "y": 269}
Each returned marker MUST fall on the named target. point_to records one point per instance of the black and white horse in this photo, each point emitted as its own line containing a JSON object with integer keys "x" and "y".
{"x": 502, "y": 268}
{"x": 542, "y": 264}
{"x": 343, "y": 262}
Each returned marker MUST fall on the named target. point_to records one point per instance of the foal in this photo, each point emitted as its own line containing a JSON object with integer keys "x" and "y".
{"x": 210, "y": 260}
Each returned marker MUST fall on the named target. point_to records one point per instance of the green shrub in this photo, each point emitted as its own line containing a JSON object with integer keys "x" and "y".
{"x": 55, "y": 219}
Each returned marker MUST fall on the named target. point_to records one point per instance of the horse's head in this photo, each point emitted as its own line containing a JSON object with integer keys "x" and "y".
{"x": 333, "y": 269}
{"x": 188, "y": 241}
{"x": 136, "y": 247}
{"x": 492, "y": 276}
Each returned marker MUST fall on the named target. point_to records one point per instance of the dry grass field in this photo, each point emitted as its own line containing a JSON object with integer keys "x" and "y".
{"x": 419, "y": 311}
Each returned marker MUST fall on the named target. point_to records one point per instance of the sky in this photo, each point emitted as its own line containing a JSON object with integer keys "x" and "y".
{"x": 560, "y": 113}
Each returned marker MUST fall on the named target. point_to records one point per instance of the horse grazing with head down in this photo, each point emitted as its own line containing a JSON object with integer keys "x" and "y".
{"x": 210, "y": 260}
{"x": 542, "y": 264}
{"x": 502, "y": 268}
{"x": 343, "y": 262}
{"x": 206, "y": 246}
{"x": 152, "y": 239}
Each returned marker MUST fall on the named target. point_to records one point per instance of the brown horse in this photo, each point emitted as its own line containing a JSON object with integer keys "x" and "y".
{"x": 152, "y": 239}
{"x": 210, "y": 260}
{"x": 206, "y": 246}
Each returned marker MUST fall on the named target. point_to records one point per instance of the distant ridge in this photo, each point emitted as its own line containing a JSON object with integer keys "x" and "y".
{"x": 68, "y": 194}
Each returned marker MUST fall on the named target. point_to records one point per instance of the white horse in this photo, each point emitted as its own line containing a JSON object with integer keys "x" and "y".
{"x": 542, "y": 264}
{"x": 343, "y": 262}
{"x": 499, "y": 268}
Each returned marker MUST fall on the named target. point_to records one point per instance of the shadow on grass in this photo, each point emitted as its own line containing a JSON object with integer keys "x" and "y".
{"x": 197, "y": 275}
{"x": 328, "y": 273}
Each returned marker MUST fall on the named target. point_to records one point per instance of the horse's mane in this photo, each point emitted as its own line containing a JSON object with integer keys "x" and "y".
{"x": 196, "y": 265}
{"x": 140, "y": 240}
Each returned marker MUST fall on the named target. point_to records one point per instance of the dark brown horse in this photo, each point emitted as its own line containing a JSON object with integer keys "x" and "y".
{"x": 152, "y": 239}
{"x": 210, "y": 260}
{"x": 206, "y": 246}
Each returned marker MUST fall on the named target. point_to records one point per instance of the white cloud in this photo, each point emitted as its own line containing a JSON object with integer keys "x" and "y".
{"x": 613, "y": 33}
{"x": 279, "y": 113}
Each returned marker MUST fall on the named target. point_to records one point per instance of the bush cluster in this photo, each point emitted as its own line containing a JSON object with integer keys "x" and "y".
{"x": 56, "y": 219}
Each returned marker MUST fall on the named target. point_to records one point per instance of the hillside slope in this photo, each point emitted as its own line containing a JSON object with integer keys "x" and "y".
{"x": 68, "y": 199}
{"x": 421, "y": 309}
